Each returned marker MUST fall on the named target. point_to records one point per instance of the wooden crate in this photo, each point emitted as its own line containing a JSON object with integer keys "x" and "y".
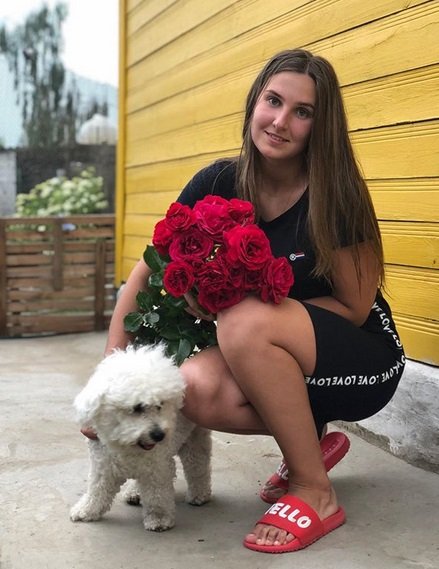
{"x": 56, "y": 274}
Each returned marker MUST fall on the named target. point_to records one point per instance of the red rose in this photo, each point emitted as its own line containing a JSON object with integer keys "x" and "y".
{"x": 241, "y": 211}
{"x": 219, "y": 299}
{"x": 247, "y": 245}
{"x": 215, "y": 287}
{"x": 212, "y": 200}
{"x": 278, "y": 279}
{"x": 253, "y": 281}
{"x": 235, "y": 274}
{"x": 178, "y": 278}
{"x": 213, "y": 216}
{"x": 179, "y": 217}
{"x": 162, "y": 237}
{"x": 210, "y": 275}
{"x": 190, "y": 245}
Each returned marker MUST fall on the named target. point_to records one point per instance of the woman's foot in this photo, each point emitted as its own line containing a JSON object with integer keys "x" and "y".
{"x": 324, "y": 502}
{"x": 271, "y": 491}
{"x": 333, "y": 446}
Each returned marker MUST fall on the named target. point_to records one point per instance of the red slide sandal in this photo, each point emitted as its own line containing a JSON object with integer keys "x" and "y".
{"x": 297, "y": 518}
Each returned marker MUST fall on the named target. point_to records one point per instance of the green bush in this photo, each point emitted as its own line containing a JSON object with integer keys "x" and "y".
{"x": 60, "y": 196}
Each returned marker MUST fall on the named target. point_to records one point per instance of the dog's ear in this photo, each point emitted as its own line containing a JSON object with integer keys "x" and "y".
{"x": 88, "y": 401}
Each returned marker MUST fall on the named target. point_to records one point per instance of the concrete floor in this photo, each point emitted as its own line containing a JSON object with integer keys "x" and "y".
{"x": 392, "y": 507}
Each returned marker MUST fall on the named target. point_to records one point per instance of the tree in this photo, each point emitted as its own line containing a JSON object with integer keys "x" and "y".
{"x": 50, "y": 108}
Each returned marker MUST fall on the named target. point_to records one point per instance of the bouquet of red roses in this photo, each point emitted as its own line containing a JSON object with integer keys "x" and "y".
{"x": 214, "y": 251}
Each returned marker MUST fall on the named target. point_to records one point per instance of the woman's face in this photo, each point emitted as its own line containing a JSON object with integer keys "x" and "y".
{"x": 283, "y": 116}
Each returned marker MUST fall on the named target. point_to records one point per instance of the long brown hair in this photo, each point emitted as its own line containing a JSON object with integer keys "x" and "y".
{"x": 340, "y": 207}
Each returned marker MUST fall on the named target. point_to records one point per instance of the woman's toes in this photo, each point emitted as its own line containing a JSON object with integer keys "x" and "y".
{"x": 250, "y": 538}
{"x": 268, "y": 535}
{"x": 282, "y": 537}
{"x": 276, "y": 537}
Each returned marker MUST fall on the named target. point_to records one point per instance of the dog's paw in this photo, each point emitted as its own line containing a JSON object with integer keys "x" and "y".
{"x": 82, "y": 512}
{"x": 198, "y": 501}
{"x": 77, "y": 515}
{"x": 132, "y": 499}
{"x": 160, "y": 523}
{"x": 198, "y": 498}
{"x": 130, "y": 493}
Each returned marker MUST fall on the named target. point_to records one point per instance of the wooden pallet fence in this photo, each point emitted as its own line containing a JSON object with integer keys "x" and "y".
{"x": 56, "y": 274}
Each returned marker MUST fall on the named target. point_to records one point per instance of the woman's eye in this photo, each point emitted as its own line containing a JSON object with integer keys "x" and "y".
{"x": 273, "y": 101}
{"x": 303, "y": 113}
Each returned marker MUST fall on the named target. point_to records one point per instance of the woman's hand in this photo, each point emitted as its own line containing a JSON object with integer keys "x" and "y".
{"x": 352, "y": 297}
{"x": 195, "y": 309}
{"x": 90, "y": 433}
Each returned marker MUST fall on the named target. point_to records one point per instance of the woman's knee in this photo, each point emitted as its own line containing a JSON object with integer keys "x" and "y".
{"x": 241, "y": 323}
{"x": 201, "y": 389}
{"x": 253, "y": 326}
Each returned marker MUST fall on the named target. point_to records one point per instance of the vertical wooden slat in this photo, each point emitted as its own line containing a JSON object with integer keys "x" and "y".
{"x": 3, "y": 279}
{"x": 58, "y": 251}
{"x": 100, "y": 263}
{"x": 121, "y": 142}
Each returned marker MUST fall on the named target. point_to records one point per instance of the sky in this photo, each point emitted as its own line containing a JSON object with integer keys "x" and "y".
{"x": 90, "y": 34}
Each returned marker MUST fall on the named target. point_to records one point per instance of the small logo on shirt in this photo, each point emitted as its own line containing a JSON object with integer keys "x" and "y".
{"x": 295, "y": 256}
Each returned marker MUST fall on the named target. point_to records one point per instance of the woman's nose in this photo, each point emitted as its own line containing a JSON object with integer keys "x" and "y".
{"x": 280, "y": 120}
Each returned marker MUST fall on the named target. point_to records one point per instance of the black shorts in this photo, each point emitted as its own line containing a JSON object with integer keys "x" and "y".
{"x": 357, "y": 368}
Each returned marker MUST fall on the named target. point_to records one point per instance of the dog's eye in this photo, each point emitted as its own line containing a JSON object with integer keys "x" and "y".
{"x": 139, "y": 408}
{"x": 158, "y": 407}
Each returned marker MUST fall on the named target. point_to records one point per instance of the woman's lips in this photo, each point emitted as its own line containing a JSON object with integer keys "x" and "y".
{"x": 275, "y": 137}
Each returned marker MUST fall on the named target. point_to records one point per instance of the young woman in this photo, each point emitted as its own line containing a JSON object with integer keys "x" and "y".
{"x": 330, "y": 351}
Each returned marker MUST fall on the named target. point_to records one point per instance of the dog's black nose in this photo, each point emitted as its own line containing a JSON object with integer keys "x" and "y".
{"x": 157, "y": 435}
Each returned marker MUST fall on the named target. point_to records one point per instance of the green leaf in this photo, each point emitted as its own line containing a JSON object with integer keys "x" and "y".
{"x": 151, "y": 318}
{"x": 144, "y": 301}
{"x": 153, "y": 259}
{"x": 156, "y": 280}
{"x": 172, "y": 349}
{"x": 170, "y": 333}
{"x": 133, "y": 321}
{"x": 184, "y": 350}
{"x": 178, "y": 303}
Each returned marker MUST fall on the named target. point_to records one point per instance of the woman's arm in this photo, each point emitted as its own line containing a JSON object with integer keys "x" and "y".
{"x": 138, "y": 279}
{"x": 352, "y": 298}
{"x": 117, "y": 337}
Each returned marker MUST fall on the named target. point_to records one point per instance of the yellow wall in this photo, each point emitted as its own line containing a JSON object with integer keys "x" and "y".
{"x": 186, "y": 66}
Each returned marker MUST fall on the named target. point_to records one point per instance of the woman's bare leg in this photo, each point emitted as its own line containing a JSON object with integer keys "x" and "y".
{"x": 268, "y": 349}
{"x": 214, "y": 399}
{"x": 274, "y": 492}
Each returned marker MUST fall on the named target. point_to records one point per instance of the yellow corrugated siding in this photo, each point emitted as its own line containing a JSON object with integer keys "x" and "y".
{"x": 186, "y": 66}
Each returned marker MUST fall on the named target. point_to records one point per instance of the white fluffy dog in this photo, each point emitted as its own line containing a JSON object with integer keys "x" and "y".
{"x": 132, "y": 402}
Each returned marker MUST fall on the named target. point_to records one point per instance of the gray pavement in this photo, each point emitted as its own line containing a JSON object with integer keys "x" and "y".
{"x": 392, "y": 507}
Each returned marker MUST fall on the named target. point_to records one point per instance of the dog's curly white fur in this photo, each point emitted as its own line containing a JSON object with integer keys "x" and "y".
{"x": 132, "y": 401}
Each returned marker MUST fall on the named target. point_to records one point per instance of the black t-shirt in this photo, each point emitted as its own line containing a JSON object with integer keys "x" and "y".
{"x": 288, "y": 234}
